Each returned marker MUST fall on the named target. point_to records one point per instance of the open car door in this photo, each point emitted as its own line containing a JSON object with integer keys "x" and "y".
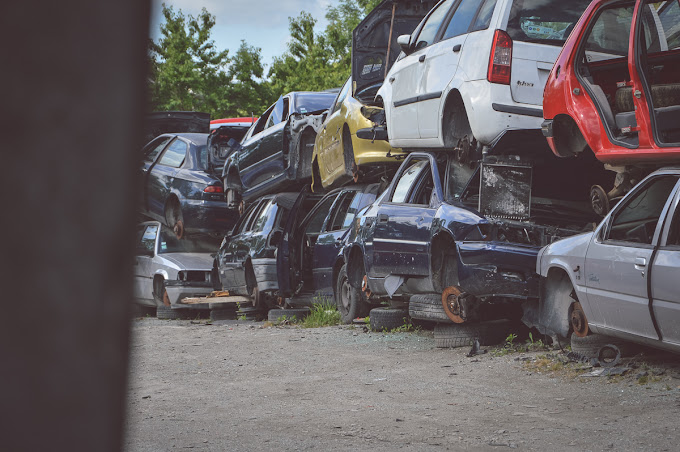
{"x": 374, "y": 40}
{"x": 289, "y": 277}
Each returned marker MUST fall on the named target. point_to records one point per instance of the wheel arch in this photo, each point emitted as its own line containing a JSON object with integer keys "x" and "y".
{"x": 443, "y": 260}
{"x": 453, "y": 109}
{"x": 556, "y": 304}
{"x": 355, "y": 266}
{"x": 568, "y": 138}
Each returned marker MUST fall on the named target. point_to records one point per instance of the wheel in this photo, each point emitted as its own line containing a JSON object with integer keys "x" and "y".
{"x": 463, "y": 335}
{"x": 351, "y": 168}
{"x": 387, "y": 318}
{"x": 167, "y": 313}
{"x": 276, "y": 315}
{"x": 427, "y": 307}
{"x": 350, "y": 301}
{"x": 599, "y": 200}
{"x": 174, "y": 218}
{"x": 590, "y": 345}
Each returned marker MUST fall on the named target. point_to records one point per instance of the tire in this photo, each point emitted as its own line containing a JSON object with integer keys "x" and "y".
{"x": 222, "y": 314}
{"x": 387, "y": 318}
{"x": 174, "y": 218}
{"x": 348, "y": 155}
{"x": 463, "y": 335}
{"x": 167, "y": 313}
{"x": 428, "y": 307}
{"x": 275, "y": 315}
{"x": 590, "y": 345}
{"x": 350, "y": 301}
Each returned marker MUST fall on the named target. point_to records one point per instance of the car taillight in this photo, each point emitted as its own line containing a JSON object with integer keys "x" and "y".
{"x": 500, "y": 62}
{"x": 214, "y": 189}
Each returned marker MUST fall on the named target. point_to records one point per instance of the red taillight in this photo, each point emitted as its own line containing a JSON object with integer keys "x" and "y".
{"x": 214, "y": 189}
{"x": 500, "y": 63}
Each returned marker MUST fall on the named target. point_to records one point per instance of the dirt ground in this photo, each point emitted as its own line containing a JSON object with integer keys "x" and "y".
{"x": 234, "y": 385}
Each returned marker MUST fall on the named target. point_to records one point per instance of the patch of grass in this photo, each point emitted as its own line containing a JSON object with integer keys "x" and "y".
{"x": 322, "y": 314}
{"x": 242, "y": 317}
{"x": 512, "y": 346}
{"x": 407, "y": 327}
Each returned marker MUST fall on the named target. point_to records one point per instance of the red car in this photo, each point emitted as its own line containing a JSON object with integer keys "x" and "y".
{"x": 615, "y": 89}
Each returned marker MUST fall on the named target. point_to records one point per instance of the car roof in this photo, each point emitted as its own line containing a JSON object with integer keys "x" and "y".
{"x": 198, "y": 139}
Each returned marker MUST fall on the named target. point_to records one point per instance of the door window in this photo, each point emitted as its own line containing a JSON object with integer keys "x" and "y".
{"x": 460, "y": 22}
{"x": 342, "y": 96}
{"x": 262, "y": 122}
{"x": 483, "y": 20}
{"x": 315, "y": 223}
{"x": 341, "y": 212}
{"x": 432, "y": 24}
{"x": 147, "y": 243}
{"x": 174, "y": 155}
{"x": 674, "y": 232}
{"x": 407, "y": 179}
{"x": 661, "y": 25}
{"x": 154, "y": 148}
{"x": 637, "y": 220}
{"x": 280, "y": 112}
{"x": 609, "y": 36}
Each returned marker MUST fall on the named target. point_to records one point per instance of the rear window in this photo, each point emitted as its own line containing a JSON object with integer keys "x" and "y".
{"x": 544, "y": 21}
{"x": 310, "y": 103}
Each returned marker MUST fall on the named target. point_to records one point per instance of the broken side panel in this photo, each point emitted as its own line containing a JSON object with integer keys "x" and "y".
{"x": 298, "y": 144}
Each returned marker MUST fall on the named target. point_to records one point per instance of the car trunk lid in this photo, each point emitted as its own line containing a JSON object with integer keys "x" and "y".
{"x": 531, "y": 65}
{"x": 371, "y": 39}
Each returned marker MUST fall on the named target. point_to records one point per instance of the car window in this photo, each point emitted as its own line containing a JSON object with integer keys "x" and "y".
{"x": 661, "y": 22}
{"x": 169, "y": 243}
{"x": 279, "y": 113}
{"x": 636, "y": 221}
{"x": 407, "y": 178}
{"x": 483, "y": 20}
{"x": 154, "y": 148}
{"x": 609, "y": 35}
{"x": 461, "y": 19}
{"x": 544, "y": 21}
{"x": 342, "y": 96}
{"x": 432, "y": 25}
{"x": 674, "y": 232}
{"x": 174, "y": 155}
{"x": 254, "y": 215}
{"x": 262, "y": 122}
{"x": 266, "y": 213}
{"x": 341, "y": 211}
{"x": 315, "y": 223}
{"x": 316, "y": 102}
{"x": 147, "y": 243}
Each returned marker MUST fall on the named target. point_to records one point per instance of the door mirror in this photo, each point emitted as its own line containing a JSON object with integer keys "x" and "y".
{"x": 404, "y": 42}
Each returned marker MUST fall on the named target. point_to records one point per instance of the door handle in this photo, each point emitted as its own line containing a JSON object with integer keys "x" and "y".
{"x": 422, "y": 58}
{"x": 391, "y": 79}
{"x": 457, "y": 48}
{"x": 640, "y": 263}
{"x": 383, "y": 218}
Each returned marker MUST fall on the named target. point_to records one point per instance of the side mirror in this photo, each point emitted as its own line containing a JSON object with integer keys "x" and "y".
{"x": 404, "y": 42}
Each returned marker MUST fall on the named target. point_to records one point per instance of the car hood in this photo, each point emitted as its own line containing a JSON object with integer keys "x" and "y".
{"x": 371, "y": 38}
{"x": 189, "y": 261}
{"x": 160, "y": 122}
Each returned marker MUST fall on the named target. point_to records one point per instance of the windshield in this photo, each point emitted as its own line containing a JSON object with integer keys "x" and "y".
{"x": 169, "y": 243}
{"x": 308, "y": 103}
{"x": 544, "y": 21}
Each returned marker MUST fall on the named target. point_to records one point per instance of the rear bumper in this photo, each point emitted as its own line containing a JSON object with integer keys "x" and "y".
{"x": 208, "y": 216}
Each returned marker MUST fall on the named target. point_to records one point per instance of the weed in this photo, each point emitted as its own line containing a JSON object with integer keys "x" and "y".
{"x": 322, "y": 314}
{"x": 242, "y": 317}
{"x": 407, "y": 327}
{"x": 643, "y": 380}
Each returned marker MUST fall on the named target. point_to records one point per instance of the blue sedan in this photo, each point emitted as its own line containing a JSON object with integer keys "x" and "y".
{"x": 180, "y": 187}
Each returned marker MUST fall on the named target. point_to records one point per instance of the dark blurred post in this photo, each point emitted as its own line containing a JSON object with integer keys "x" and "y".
{"x": 72, "y": 78}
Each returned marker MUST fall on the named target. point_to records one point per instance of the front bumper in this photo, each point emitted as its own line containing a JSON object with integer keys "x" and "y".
{"x": 179, "y": 290}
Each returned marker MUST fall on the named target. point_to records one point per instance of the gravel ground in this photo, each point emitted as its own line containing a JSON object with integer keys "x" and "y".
{"x": 234, "y": 385}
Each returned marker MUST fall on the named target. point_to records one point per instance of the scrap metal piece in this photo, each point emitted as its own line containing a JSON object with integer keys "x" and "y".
{"x": 578, "y": 321}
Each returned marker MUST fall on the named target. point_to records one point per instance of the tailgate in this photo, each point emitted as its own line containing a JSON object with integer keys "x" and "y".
{"x": 531, "y": 65}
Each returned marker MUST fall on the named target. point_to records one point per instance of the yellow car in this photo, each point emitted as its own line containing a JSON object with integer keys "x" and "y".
{"x": 339, "y": 155}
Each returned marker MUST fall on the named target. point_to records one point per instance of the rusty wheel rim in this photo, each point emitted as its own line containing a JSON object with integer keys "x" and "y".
{"x": 578, "y": 321}
{"x": 178, "y": 229}
{"x": 364, "y": 287}
{"x": 450, "y": 301}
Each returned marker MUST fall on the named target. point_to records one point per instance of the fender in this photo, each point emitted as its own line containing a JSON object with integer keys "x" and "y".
{"x": 163, "y": 273}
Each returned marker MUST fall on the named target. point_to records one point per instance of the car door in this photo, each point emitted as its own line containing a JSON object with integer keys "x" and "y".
{"x": 149, "y": 155}
{"x": 249, "y": 153}
{"x": 145, "y": 249}
{"x": 407, "y": 72}
{"x": 404, "y": 218}
{"x": 441, "y": 64}
{"x": 664, "y": 275}
{"x": 331, "y": 150}
{"x": 162, "y": 174}
{"x": 618, "y": 258}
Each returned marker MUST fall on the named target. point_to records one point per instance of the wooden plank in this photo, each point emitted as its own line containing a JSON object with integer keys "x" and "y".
{"x": 216, "y": 300}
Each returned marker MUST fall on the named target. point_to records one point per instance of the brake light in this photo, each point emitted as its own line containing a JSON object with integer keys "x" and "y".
{"x": 214, "y": 189}
{"x": 500, "y": 62}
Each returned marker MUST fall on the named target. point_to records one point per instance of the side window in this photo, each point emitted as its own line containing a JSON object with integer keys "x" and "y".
{"x": 669, "y": 14}
{"x": 407, "y": 179}
{"x": 269, "y": 211}
{"x": 280, "y": 112}
{"x": 262, "y": 122}
{"x": 248, "y": 225}
{"x": 660, "y": 21}
{"x": 483, "y": 20}
{"x": 174, "y": 155}
{"x": 432, "y": 25}
{"x": 154, "y": 148}
{"x": 341, "y": 212}
{"x": 422, "y": 192}
{"x": 609, "y": 36}
{"x": 342, "y": 96}
{"x": 637, "y": 220}
{"x": 674, "y": 232}
{"x": 462, "y": 18}
{"x": 315, "y": 223}
{"x": 147, "y": 242}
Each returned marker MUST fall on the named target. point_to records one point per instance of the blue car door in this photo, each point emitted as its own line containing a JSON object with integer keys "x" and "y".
{"x": 404, "y": 219}
{"x": 162, "y": 174}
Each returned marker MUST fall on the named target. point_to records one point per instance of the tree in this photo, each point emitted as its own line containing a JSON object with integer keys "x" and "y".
{"x": 248, "y": 93}
{"x": 187, "y": 71}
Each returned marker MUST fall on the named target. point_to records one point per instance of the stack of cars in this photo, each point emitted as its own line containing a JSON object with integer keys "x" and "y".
{"x": 425, "y": 187}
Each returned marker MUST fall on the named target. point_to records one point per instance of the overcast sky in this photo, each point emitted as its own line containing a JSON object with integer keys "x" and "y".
{"x": 262, "y": 23}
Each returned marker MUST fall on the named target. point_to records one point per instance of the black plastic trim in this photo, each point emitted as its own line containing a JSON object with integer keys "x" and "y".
{"x": 525, "y": 111}
{"x": 424, "y": 97}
